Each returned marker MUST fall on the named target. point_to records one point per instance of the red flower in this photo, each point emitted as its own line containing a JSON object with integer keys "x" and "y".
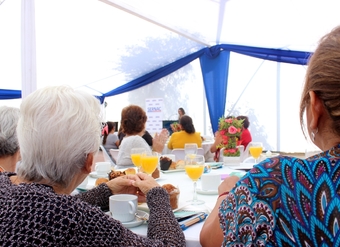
{"x": 232, "y": 130}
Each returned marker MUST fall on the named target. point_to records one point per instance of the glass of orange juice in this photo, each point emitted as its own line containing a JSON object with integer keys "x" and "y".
{"x": 149, "y": 162}
{"x": 136, "y": 154}
{"x": 194, "y": 167}
{"x": 255, "y": 150}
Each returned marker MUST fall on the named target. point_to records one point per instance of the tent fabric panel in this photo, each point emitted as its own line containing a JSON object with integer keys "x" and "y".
{"x": 10, "y": 94}
{"x": 154, "y": 75}
{"x": 215, "y": 71}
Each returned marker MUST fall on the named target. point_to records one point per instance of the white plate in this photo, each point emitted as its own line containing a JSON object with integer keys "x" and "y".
{"x": 86, "y": 188}
{"x": 96, "y": 175}
{"x": 206, "y": 192}
{"x": 144, "y": 207}
{"x": 174, "y": 170}
{"x": 137, "y": 221}
{"x": 242, "y": 166}
{"x": 265, "y": 156}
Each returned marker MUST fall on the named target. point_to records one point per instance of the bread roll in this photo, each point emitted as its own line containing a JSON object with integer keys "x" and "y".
{"x": 180, "y": 164}
{"x": 115, "y": 174}
{"x": 101, "y": 181}
{"x": 155, "y": 174}
{"x": 173, "y": 193}
{"x": 130, "y": 171}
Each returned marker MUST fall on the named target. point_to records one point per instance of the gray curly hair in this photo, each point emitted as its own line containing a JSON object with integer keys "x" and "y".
{"x": 9, "y": 144}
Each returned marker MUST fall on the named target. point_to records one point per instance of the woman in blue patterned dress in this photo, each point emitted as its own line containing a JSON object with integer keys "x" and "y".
{"x": 286, "y": 201}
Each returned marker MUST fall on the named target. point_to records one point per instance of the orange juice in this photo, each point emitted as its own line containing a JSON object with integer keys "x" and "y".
{"x": 149, "y": 164}
{"x": 255, "y": 151}
{"x": 194, "y": 171}
{"x": 136, "y": 160}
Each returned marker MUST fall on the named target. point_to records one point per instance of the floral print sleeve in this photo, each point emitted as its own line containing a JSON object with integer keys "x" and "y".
{"x": 285, "y": 201}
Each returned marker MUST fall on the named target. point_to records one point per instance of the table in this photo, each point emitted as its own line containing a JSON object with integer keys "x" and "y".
{"x": 185, "y": 185}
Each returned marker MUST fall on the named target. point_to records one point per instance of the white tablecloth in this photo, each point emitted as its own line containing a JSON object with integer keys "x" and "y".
{"x": 186, "y": 188}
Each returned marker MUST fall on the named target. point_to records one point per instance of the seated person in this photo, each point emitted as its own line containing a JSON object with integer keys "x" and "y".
{"x": 289, "y": 201}
{"x": 39, "y": 194}
{"x": 133, "y": 121}
{"x": 147, "y": 137}
{"x": 110, "y": 139}
{"x": 214, "y": 149}
{"x": 9, "y": 145}
{"x": 245, "y": 135}
{"x": 186, "y": 135}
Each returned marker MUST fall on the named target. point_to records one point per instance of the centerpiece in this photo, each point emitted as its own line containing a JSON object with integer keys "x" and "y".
{"x": 230, "y": 129}
{"x": 175, "y": 127}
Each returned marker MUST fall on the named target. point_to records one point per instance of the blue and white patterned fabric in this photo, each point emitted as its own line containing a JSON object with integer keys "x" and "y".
{"x": 285, "y": 201}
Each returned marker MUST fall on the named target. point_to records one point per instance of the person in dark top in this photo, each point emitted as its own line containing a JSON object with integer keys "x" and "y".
{"x": 36, "y": 208}
{"x": 147, "y": 137}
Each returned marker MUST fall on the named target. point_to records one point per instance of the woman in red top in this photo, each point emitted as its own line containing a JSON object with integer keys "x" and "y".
{"x": 245, "y": 136}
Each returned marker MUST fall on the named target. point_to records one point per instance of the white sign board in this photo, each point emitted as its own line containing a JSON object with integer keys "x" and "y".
{"x": 154, "y": 111}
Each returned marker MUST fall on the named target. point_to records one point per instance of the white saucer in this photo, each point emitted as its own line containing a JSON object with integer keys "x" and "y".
{"x": 96, "y": 175}
{"x": 86, "y": 188}
{"x": 206, "y": 192}
{"x": 136, "y": 221}
{"x": 144, "y": 207}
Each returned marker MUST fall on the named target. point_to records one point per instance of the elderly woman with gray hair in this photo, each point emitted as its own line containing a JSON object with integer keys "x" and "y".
{"x": 9, "y": 145}
{"x": 36, "y": 206}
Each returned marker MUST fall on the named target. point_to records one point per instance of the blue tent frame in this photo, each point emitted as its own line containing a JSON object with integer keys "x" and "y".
{"x": 214, "y": 63}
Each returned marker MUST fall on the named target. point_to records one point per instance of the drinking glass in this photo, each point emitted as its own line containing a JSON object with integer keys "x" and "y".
{"x": 190, "y": 148}
{"x": 150, "y": 162}
{"x": 194, "y": 167}
{"x": 136, "y": 154}
{"x": 255, "y": 150}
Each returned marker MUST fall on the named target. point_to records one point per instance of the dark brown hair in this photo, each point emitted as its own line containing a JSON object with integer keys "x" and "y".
{"x": 187, "y": 125}
{"x": 133, "y": 119}
{"x": 246, "y": 122}
{"x": 323, "y": 77}
{"x": 110, "y": 126}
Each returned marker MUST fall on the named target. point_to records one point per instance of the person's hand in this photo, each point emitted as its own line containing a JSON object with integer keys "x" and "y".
{"x": 227, "y": 184}
{"x": 218, "y": 137}
{"x": 145, "y": 183}
{"x": 218, "y": 141}
{"x": 124, "y": 185}
{"x": 159, "y": 140}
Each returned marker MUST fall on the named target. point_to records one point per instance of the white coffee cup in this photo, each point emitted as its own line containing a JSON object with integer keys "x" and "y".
{"x": 123, "y": 207}
{"x": 210, "y": 181}
{"x": 102, "y": 168}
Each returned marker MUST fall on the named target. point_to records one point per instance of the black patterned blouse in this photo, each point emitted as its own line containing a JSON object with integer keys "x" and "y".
{"x": 33, "y": 215}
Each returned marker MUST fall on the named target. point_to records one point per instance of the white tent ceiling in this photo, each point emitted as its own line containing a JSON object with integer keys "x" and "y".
{"x": 82, "y": 42}
{"x": 294, "y": 25}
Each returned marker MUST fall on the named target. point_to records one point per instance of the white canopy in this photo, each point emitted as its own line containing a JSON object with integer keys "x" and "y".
{"x": 92, "y": 45}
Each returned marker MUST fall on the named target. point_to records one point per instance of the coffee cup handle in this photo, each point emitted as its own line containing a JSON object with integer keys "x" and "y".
{"x": 132, "y": 207}
{"x": 95, "y": 168}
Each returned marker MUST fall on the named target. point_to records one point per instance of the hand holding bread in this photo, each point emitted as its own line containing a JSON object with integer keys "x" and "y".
{"x": 145, "y": 182}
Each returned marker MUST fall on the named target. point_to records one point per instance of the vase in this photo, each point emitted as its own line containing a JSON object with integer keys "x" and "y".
{"x": 231, "y": 161}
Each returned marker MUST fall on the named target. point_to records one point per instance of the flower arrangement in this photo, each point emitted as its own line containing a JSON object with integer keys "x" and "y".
{"x": 230, "y": 130}
{"x": 176, "y": 127}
